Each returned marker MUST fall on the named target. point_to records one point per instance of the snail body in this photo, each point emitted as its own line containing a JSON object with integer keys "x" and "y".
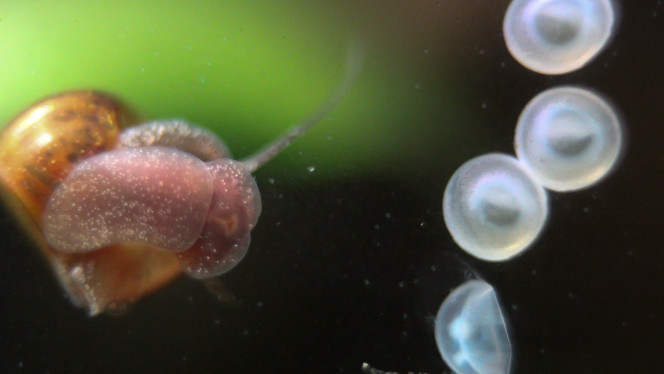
{"x": 161, "y": 197}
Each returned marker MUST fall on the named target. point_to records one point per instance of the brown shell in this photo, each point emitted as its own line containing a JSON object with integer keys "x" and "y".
{"x": 37, "y": 150}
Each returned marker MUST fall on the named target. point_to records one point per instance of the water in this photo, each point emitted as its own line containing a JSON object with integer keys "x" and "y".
{"x": 390, "y": 148}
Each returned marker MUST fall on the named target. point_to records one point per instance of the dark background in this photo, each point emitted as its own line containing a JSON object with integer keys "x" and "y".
{"x": 343, "y": 271}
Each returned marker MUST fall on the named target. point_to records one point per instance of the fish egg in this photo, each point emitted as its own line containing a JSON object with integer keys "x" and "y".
{"x": 471, "y": 332}
{"x": 493, "y": 207}
{"x": 557, "y": 36}
{"x": 568, "y": 137}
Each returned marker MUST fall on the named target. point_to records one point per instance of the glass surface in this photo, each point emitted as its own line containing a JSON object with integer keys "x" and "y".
{"x": 346, "y": 262}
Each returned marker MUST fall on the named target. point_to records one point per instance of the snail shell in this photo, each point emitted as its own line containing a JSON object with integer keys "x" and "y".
{"x": 37, "y": 151}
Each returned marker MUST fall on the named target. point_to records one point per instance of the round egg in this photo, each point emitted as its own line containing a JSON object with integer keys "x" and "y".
{"x": 471, "y": 332}
{"x": 493, "y": 207}
{"x": 557, "y": 36}
{"x": 568, "y": 137}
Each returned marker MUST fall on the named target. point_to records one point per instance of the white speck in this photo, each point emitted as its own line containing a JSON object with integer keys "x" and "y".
{"x": 311, "y": 169}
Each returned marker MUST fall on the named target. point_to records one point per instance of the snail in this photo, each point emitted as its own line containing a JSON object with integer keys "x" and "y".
{"x": 121, "y": 211}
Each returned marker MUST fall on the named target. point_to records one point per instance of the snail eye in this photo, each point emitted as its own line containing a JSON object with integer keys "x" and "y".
{"x": 234, "y": 211}
{"x": 152, "y": 195}
{"x": 471, "y": 331}
{"x": 177, "y": 134}
{"x": 568, "y": 137}
{"x": 493, "y": 207}
{"x": 557, "y": 36}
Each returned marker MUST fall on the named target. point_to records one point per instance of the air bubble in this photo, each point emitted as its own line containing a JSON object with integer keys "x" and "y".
{"x": 471, "y": 332}
{"x": 557, "y": 36}
{"x": 568, "y": 137}
{"x": 493, "y": 207}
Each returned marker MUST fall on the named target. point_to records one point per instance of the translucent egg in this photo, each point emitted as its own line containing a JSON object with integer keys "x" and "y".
{"x": 557, "y": 36}
{"x": 471, "y": 332}
{"x": 568, "y": 137}
{"x": 493, "y": 207}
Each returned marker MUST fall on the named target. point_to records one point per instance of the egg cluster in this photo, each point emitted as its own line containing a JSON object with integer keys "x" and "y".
{"x": 567, "y": 138}
{"x": 495, "y": 205}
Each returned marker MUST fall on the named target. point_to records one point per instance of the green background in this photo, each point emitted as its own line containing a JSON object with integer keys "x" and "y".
{"x": 246, "y": 70}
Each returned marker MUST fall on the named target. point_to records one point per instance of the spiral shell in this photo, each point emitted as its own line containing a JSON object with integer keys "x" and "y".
{"x": 37, "y": 151}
